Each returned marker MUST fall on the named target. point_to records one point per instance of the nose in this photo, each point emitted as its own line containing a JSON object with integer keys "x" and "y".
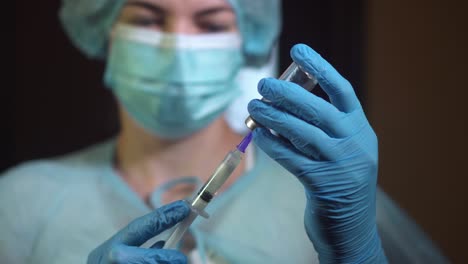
{"x": 181, "y": 25}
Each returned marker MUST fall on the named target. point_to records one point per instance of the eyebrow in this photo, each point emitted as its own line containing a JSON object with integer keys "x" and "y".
{"x": 213, "y": 10}
{"x": 153, "y": 8}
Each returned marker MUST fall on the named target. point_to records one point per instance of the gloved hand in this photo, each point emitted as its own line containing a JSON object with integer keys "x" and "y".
{"x": 123, "y": 247}
{"x": 332, "y": 150}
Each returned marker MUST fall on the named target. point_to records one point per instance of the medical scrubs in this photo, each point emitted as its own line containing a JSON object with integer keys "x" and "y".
{"x": 58, "y": 210}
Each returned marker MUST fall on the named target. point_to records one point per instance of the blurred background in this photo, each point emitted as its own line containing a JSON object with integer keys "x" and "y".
{"x": 406, "y": 60}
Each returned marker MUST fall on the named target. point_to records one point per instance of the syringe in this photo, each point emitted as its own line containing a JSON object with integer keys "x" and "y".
{"x": 209, "y": 190}
{"x": 293, "y": 74}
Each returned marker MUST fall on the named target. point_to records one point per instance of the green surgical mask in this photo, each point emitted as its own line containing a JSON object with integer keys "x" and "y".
{"x": 173, "y": 85}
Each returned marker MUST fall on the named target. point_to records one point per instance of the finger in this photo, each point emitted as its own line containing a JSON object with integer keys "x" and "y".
{"x": 281, "y": 151}
{"x": 307, "y": 138}
{"x": 129, "y": 254}
{"x": 339, "y": 90}
{"x": 150, "y": 225}
{"x": 301, "y": 166}
{"x": 303, "y": 104}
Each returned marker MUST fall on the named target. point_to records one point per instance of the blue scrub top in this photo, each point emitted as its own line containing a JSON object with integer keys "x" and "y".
{"x": 59, "y": 210}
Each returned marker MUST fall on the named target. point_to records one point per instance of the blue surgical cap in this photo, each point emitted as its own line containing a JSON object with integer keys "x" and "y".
{"x": 88, "y": 24}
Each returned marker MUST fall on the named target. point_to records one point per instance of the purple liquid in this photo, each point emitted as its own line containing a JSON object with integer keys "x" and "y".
{"x": 245, "y": 142}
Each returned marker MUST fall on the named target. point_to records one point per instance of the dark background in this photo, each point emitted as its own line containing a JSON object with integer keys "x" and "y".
{"x": 59, "y": 103}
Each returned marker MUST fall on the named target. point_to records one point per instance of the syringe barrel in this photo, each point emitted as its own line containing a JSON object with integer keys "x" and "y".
{"x": 222, "y": 173}
{"x": 294, "y": 73}
{"x": 204, "y": 196}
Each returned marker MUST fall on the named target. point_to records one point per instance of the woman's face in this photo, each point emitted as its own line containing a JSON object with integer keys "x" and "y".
{"x": 180, "y": 16}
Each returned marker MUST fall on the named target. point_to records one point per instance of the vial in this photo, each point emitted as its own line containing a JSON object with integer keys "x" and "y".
{"x": 294, "y": 74}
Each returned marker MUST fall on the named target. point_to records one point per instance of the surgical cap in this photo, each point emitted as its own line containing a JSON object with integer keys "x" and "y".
{"x": 88, "y": 23}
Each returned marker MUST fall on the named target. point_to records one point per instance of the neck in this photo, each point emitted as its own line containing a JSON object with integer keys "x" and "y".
{"x": 146, "y": 161}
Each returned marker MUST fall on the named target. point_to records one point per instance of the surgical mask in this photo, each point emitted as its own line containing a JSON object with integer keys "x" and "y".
{"x": 173, "y": 85}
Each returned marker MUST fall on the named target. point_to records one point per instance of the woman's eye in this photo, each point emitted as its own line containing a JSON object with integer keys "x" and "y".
{"x": 214, "y": 27}
{"x": 147, "y": 22}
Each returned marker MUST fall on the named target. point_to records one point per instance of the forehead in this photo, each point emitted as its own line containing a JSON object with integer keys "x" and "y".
{"x": 185, "y": 6}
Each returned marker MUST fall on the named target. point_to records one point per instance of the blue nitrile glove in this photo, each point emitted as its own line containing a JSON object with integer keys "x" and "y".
{"x": 123, "y": 247}
{"x": 332, "y": 150}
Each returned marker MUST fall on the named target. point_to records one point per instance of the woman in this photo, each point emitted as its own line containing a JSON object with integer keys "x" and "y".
{"x": 176, "y": 69}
